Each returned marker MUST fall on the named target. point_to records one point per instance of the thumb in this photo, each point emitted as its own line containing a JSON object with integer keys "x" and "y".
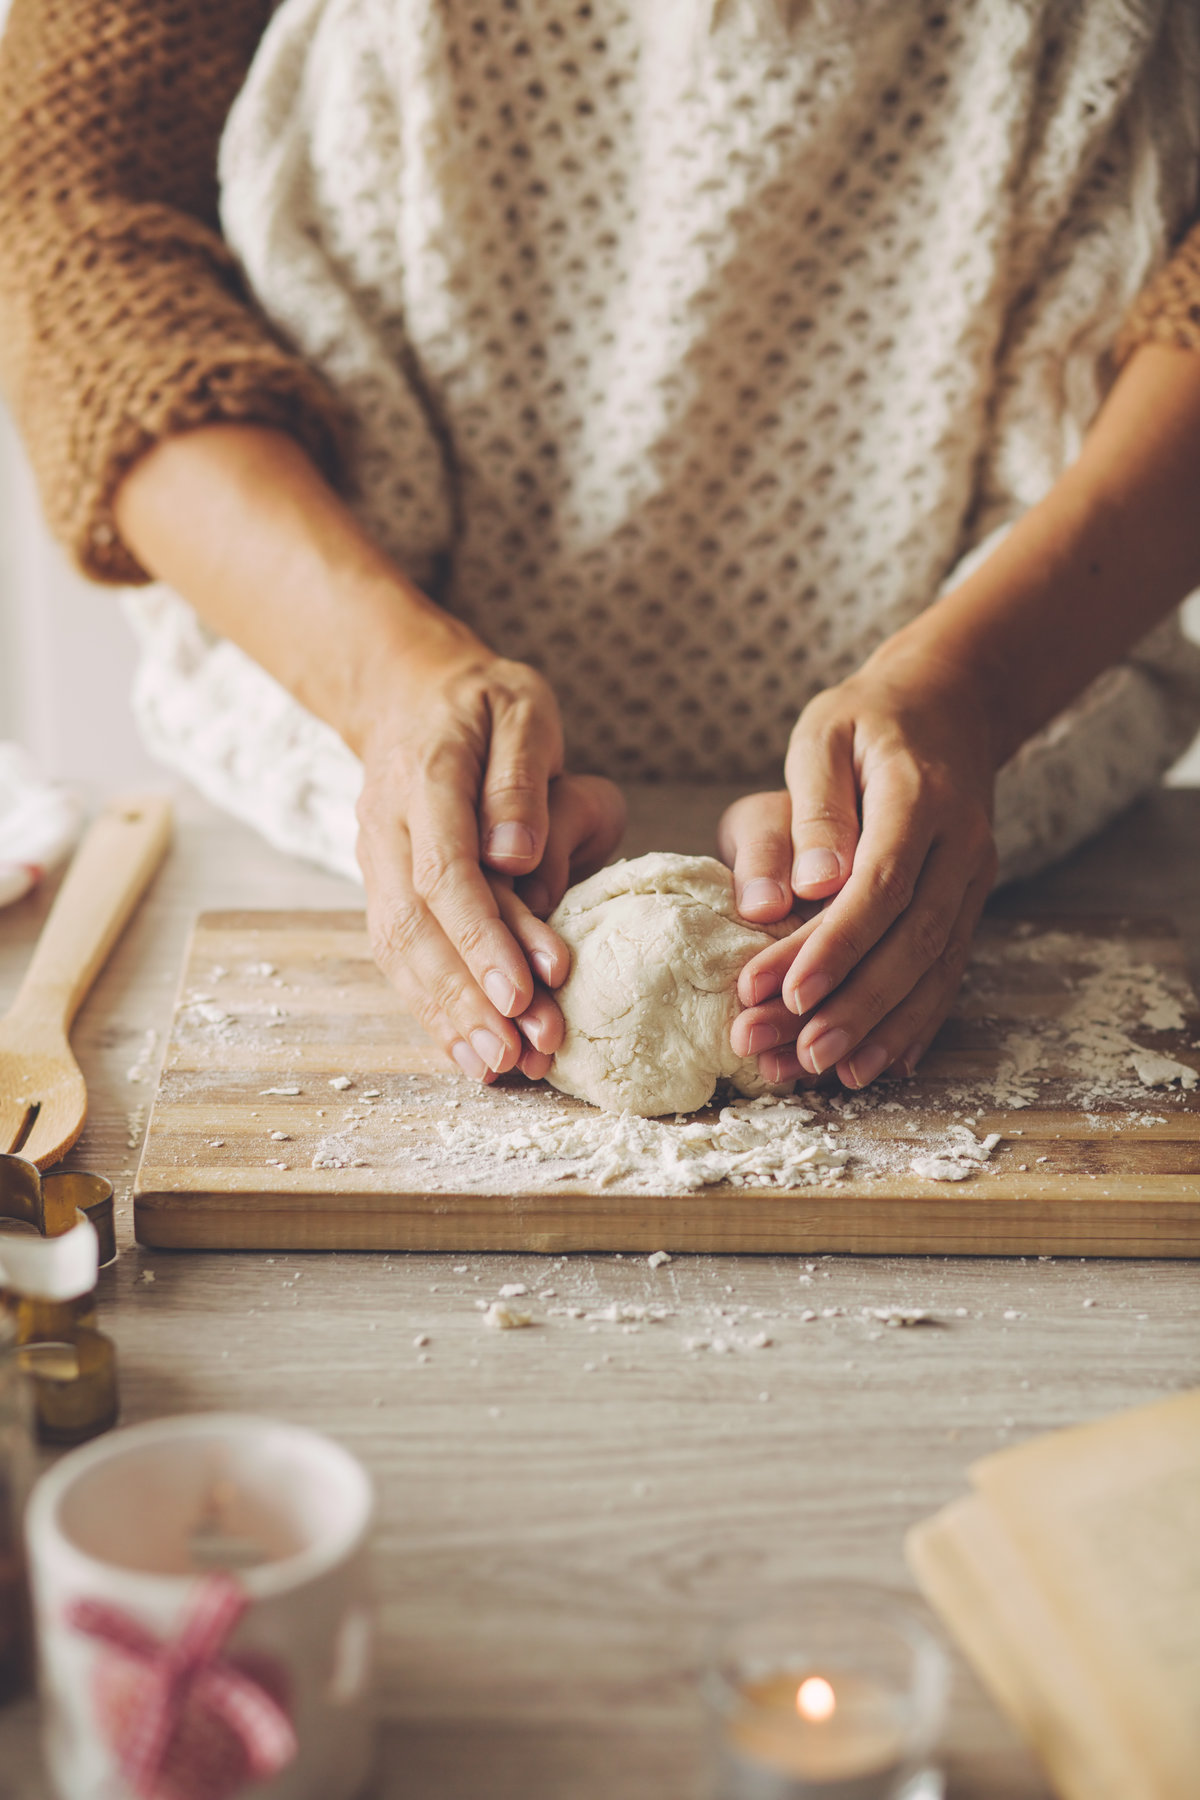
{"x": 824, "y": 795}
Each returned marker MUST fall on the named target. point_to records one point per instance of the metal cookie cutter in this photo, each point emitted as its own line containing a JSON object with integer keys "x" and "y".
{"x": 48, "y": 1285}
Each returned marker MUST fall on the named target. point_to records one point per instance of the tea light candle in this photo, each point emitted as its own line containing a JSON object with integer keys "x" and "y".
{"x": 839, "y": 1697}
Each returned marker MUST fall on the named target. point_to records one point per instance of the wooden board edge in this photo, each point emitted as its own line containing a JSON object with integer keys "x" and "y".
{"x": 471, "y": 1222}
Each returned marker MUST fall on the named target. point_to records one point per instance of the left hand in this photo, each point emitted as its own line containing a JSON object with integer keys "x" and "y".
{"x": 887, "y": 820}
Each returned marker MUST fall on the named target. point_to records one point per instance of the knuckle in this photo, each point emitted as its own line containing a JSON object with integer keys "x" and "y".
{"x": 517, "y": 780}
{"x": 953, "y": 960}
{"x": 824, "y": 815}
{"x": 470, "y": 939}
{"x": 433, "y": 872}
{"x": 447, "y": 992}
{"x": 431, "y": 1019}
{"x": 930, "y": 934}
{"x": 394, "y": 936}
{"x": 893, "y": 886}
{"x": 760, "y": 847}
{"x": 844, "y": 951}
{"x": 440, "y": 762}
{"x": 872, "y": 1002}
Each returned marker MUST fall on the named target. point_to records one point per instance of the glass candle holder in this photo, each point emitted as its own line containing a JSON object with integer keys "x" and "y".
{"x": 837, "y": 1693}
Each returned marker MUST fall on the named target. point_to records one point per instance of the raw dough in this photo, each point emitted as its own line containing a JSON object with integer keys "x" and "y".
{"x": 656, "y": 948}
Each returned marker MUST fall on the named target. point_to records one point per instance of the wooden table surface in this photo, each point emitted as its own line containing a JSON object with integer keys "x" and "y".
{"x": 565, "y": 1511}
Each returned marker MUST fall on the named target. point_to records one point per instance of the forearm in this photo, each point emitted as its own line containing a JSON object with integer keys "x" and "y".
{"x": 238, "y": 520}
{"x": 1107, "y": 554}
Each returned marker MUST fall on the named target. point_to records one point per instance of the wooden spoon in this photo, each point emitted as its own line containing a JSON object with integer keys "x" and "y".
{"x": 43, "y": 1099}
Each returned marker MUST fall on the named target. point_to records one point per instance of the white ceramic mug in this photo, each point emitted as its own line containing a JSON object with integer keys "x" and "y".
{"x": 200, "y": 1596}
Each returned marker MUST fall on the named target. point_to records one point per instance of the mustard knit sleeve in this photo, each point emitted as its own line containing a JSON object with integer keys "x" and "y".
{"x": 122, "y": 316}
{"x": 1167, "y": 311}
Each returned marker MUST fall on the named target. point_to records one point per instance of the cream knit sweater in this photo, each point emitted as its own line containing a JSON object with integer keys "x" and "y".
{"x": 689, "y": 358}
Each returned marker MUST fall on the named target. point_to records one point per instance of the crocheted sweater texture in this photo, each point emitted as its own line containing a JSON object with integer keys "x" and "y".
{"x": 683, "y": 359}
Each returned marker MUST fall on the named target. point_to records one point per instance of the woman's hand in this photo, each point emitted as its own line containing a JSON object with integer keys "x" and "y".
{"x": 886, "y": 820}
{"x": 468, "y": 835}
{"x": 463, "y": 792}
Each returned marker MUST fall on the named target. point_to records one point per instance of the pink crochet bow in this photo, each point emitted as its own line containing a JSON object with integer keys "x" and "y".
{"x": 183, "y": 1687}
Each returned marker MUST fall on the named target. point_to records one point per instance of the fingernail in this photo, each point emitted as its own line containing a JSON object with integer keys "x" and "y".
{"x": 501, "y": 992}
{"x": 762, "y": 1037}
{"x": 869, "y": 1062}
{"x": 771, "y": 1069}
{"x": 811, "y": 991}
{"x": 488, "y": 1046}
{"x": 531, "y": 1030}
{"x": 814, "y": 868}
{"x": 912, "y": 1057}
{"x": 467, "y": 1060}
{"x": 510, "y": 839}
{"x": 825, "y": 1052}
{"x": 761, "y": 892}
{"x": 543, "y": 966}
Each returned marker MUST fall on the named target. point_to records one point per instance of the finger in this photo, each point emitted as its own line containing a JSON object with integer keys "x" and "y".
{"x": 448, "y": 879}
{"x": 587, "y": 820}
{"x": 779, "y": 1066}
{"x": 535, "y": 1064}
{"x": 762, "y": 1028}
{"x": 548, "y": 955}
{"x": 898, "y": 827}
{"x": 542, "y": 1026}
{"x": 824, "y": 806}
{"x": 416, "y": 956}
{"x": 524, "y": 754}
{"x": 755, "y": 839}
{"x": 928, "y": 937}
{"x": 901, "y": 1040}
{"x": 458, "y": 1050}
{"x": 763, "y": 975}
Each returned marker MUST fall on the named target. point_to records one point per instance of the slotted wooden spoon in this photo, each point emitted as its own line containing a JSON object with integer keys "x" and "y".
{"x": 43, "y": 1099}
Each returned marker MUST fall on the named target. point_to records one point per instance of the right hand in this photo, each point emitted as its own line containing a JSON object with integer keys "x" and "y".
{"x": 463, "y": 796}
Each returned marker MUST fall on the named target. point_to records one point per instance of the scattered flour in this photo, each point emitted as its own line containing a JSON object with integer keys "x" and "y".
{"x": 500, "y": 1316}
{"x": 1047, "y": 1020}
{"x": 766, "y": 1142}
{"x": 943, "y": 1168}
{"x": 1083, "y": 1042}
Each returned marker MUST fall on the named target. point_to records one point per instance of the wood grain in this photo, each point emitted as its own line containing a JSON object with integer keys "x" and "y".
{"x": 305, "y": 1006}
{"x": 564, "y": 1512}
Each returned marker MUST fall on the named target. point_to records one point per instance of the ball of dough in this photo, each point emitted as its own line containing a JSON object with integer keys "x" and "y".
{"x": 656, "y": 948}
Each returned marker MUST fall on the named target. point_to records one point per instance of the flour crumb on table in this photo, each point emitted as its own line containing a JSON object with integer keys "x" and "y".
{"x": 500, "y": 1316}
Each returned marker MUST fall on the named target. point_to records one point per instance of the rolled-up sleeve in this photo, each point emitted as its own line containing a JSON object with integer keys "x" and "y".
{"x": 122, "y": 315}
{"x": 1167, "y": 311}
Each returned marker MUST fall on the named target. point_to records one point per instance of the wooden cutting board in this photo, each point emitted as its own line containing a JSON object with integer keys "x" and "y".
{"x": 291, "y": 1000}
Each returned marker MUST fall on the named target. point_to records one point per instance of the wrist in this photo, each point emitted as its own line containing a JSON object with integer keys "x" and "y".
{"x": 925, "y": 672}
{"x": 402, "y": 649}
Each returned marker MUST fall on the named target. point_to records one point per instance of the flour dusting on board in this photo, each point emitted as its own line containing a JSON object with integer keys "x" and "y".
{"x": 1075, "y": 1034}
{"x": 1087, "y": 1044}
{"x": 1077, "y": 1049}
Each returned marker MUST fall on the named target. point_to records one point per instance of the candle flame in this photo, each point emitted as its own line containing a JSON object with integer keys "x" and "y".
{"x": 815, "y": 1699}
